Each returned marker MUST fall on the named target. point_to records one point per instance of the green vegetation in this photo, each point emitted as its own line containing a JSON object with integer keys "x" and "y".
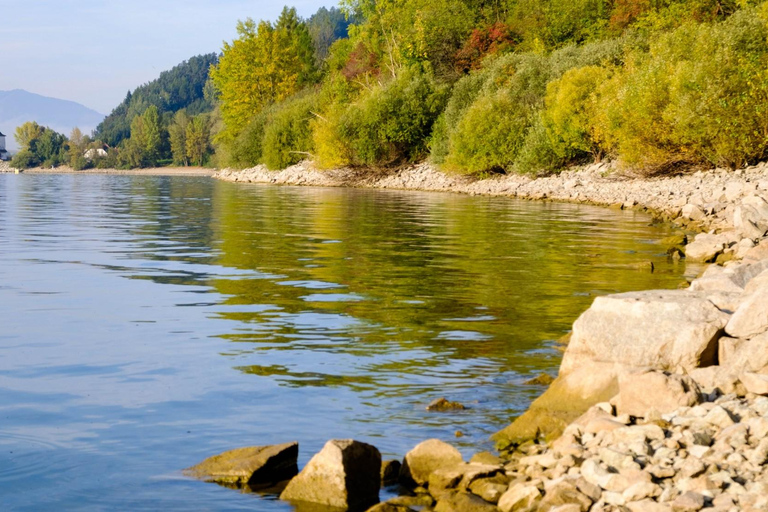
{"x": 527, "y": 86}
{"x": 506, "y": 86}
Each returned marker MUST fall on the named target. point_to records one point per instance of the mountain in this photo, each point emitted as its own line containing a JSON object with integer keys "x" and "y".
{"x": 19, "y": 106}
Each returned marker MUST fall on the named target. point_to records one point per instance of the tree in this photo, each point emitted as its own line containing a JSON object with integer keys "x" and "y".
{"x": 145, "y": 139}
{"x": 263, "y": 65}
{"x": 77, "y": 147}
{"x": 27, "y": 133}
{"x": 198, "y": 135}
{"x": 177, "y": 132}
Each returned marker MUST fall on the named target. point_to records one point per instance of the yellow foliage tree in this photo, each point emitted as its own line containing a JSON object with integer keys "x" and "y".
{"x": 265, "y": 64}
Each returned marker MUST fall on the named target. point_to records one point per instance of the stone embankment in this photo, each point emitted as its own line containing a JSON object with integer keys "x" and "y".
{"x": 661, "y": 401}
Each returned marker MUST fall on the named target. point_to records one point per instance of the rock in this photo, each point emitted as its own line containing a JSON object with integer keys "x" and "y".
{"x": 520, "y": 497}
{"x": 641, "y": 392}
{"x": 755, "y": 383}
{"x": 640, "y": 491}
{"x": 673, "y": 330}
{"x": 418, "y": 501}
{"x": 717, "y": 378}
{"x": 693, "y": 212}
{"x": 488, "y": 489}
{"x": 426, "y": 458}
{"x": 751, "y": 318}
{"x": 254, "y": 466}
{"x": 757, "y": 282}
{"x": 705, "y": 247}
{"x": 442, "y": 405}
{"x": 390, "y": 472}
{"x": 748, "y": 222}
{"x": 564, "y": 493}
{"x": 389, "y": 507}
{"x": 567, "y": 398}
{"x": 648, "y": 506}
{"x": 463, "y": 502}
{"x": 344, "y": 474}
{"x": 486, "y": 458}
{"x": 459, "y": 476}
{"x": 543, "y": 379}
{"x": 688, "y": 502}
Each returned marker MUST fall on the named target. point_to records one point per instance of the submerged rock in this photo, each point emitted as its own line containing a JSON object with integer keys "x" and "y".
{"x": 443, "y": 404}
{"x": 543, "y": 379}
{"x": 253, "y": 466}
{"x": 344, "y": 474}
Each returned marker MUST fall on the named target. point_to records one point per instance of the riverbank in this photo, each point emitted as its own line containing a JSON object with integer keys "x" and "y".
{"x": 660, "y": 403}
{"x": 156, "y": 171}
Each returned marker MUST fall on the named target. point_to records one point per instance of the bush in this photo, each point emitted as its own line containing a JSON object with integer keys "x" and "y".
{"x": 489, "y": 135}
{"x": 700, "y": 95}
{"x": 388, "y": 124}
{"x": 246, "y": 150}
{"x": 24, "y": 159}
{"x": 287, "y": 134}
{"x": 571, "y": 109}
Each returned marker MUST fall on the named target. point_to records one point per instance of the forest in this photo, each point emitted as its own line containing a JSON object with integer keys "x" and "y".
{"x": 473, "y": 86}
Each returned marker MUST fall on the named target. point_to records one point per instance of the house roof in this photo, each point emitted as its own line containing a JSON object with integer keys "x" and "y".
{"x": 1, "y": 134}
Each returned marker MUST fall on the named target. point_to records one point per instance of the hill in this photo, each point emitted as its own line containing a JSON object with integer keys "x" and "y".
{"x": 19, "y": 106}
{"x": 182, "y": 87}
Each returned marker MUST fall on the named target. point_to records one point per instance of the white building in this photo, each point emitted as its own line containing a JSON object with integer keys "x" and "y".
{"x": 93, "y": 153}
{"x": 4, "y": 155}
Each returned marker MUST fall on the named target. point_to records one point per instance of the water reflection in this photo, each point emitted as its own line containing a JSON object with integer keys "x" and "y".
{"x": 148, "y": 322}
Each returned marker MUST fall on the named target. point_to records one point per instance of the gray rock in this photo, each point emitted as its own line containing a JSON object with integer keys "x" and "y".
{"x": 673, "y": 330}
{"x": 641, "y": 392}
{"x": 344, "y": 474}
{"x": 254, "y": 466}
{"x": 426, "y": 458}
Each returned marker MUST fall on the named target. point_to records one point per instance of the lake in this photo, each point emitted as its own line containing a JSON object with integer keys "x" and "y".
{"x": 149, "y": 322}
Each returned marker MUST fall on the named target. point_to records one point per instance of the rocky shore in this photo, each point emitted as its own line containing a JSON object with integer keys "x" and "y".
{"x": 661, "y": 401}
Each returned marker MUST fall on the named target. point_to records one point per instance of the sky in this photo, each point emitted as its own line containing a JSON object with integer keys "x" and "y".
{"x": 95, "y": 51}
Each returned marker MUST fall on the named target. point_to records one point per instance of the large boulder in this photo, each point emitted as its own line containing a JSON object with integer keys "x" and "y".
{"x": 254, "y": 466}
{"x": 641, "y": 392}
{"x": 744, "y": 355}
{"x": 705, "y": 247}
{"x": 344, "y": 474}
{"x": 426, "y": 458}
{"x": 569, "y": 396}
{"x": 751, "y": 317}
{"x": 672, "y": 330}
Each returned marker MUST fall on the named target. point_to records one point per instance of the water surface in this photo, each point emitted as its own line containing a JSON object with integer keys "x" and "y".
{"x": 149, "y": 322}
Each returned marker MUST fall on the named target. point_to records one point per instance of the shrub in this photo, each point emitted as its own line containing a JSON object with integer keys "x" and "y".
{"x": 571, "y": 109}
{"x": 388, "y": 124}
{"x": 700, "y": 95}
{"x": 489, "y": 135}
{"x": 287, "y": 135}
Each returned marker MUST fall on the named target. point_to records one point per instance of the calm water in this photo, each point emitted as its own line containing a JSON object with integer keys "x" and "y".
{"x": 149, "y": 322}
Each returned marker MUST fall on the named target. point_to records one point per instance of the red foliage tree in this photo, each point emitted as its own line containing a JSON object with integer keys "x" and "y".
{"x": 495, "y": 38}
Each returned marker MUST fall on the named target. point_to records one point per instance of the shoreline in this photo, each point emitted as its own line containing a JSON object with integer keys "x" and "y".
{"x": 154, "y": 171}
{"x": 661, "y": 402}
{"x": 699, "y": 201}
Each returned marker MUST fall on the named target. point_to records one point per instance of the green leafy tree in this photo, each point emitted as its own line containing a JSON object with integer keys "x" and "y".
{"x": 265, "y": 64}
{"x": 197, "y": 139}
{"x": 78, "y": 145}
{"x": 177, "y": 132}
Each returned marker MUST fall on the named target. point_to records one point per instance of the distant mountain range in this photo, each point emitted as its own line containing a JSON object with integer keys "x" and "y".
{"x": 19, "y": 106}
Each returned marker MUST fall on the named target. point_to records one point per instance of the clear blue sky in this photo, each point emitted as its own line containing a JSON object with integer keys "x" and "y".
{"x": 94, "y": 51}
